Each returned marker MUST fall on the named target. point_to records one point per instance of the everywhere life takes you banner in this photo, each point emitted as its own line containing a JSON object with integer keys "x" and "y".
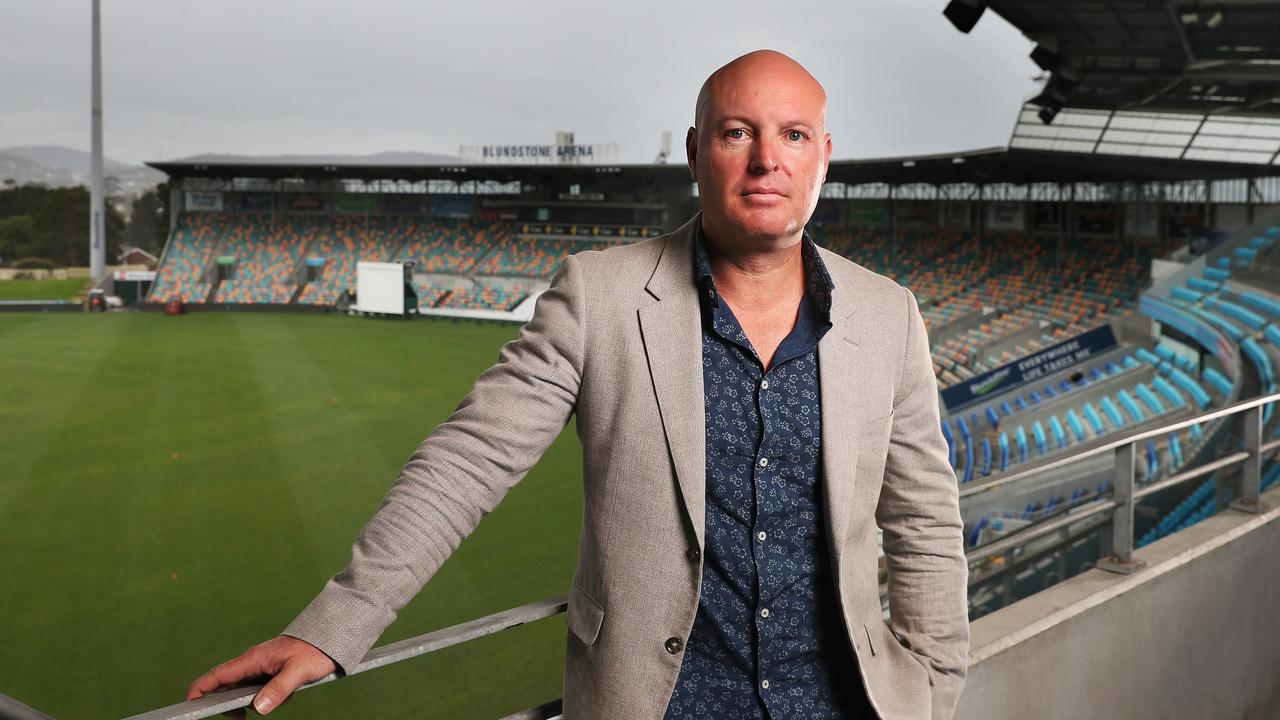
{"x": 1033, "y": 367}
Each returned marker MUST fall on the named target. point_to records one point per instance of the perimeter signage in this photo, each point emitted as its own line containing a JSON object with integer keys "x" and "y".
{"x": 1020, "y": 372}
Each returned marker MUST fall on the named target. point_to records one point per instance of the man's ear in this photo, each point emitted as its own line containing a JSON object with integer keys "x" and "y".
{"x": 826, "y": 161}
{"x": 691, "y": 152}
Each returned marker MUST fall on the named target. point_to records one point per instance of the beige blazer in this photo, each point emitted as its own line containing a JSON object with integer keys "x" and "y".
{"x": 617, "y": 340}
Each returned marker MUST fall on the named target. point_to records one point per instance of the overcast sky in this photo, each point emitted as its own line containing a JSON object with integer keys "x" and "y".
{"x": 318, "y": 76}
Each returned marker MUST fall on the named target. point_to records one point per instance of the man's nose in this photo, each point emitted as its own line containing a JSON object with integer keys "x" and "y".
{"x": 764, "y": 155}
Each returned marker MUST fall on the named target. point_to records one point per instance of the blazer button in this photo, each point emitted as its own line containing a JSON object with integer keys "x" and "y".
{"x": 674, "y": 645}
{"x": 693, "y": 554}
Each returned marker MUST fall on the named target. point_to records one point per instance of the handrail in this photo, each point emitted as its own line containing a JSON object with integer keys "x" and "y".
{"x": 1128, "y": 440}
{"x": 235, "y": 698}
{"x": 11, "y": 709}
{"x": 1125, "y": 494}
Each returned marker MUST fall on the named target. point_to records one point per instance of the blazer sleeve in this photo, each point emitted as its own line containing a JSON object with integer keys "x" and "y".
{"x": 457, "y": 475}
{"x": 919, "y": 512}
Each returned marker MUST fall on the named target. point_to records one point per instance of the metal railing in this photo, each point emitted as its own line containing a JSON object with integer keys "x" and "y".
{"x": 11, "y": 709}
{"x": 1125, "y": 494}
{"x": 240, "y": 697}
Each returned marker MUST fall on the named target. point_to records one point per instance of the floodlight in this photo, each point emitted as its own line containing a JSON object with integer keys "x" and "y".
{"x": 964, "y": 14}
{"x": 1045, "y": 58}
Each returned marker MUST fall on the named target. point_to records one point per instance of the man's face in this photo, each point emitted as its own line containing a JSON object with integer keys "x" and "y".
{"x": 760, "y": 154}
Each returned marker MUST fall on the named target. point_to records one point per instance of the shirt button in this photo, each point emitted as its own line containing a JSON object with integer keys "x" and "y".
{"x": 693, "y": 554}
{"x": 764, "y": 612}
{"x": 762, "y": 535}
{"x": 674, "y": 645}
{"x": 764, "y": 684}
{"x": 764, "y": 462}
{"x": 764, "y": 384}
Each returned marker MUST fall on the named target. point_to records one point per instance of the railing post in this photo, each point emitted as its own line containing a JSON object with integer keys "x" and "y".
{"x": 1121, "y": 560}
{"x": 1062, "y": 554}
{"x": 1250, "y": 485}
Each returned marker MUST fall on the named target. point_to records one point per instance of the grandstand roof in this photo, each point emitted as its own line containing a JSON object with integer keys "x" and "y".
{"x": 250, "y": 168}
{"x": 1017, "y": 165}
{"x": 1198, "y": 57}
{"x": 1021, "y": 166}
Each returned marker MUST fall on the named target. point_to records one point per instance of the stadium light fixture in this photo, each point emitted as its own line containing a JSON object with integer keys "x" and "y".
{"x": 97, "y": 189}
{"x": 964, "y": 14}
{"x": 1045, "y": 58}
{"x": 1049, "y": 112}
{"x": 1053, "y": 98}
{"x": 1214, "y": 21}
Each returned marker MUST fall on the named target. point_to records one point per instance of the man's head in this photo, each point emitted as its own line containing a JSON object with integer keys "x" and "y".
{"x": 759, "y": 150}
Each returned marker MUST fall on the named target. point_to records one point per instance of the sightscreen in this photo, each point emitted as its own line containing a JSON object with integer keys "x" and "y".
{"x": 380, "y": 287}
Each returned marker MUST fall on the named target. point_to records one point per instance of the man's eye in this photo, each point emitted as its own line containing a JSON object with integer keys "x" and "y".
{"x": 795, "y": 135}
{"x": 735, "y": 133}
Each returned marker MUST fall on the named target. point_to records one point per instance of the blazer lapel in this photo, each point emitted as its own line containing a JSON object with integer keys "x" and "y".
{"x": 841, "y": 372}
{"x": 672, "y": 331}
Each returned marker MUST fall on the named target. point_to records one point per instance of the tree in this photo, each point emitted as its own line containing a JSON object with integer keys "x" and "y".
{"x": 149, "y": 220}
{"x": 52, "y": 223}
{"x": 16, "y": 234}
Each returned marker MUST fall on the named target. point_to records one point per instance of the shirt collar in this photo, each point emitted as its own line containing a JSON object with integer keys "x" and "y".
{"x": 818, "y": 283}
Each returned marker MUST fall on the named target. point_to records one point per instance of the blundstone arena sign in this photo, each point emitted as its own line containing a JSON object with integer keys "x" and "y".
{"x": 549, "y": 154}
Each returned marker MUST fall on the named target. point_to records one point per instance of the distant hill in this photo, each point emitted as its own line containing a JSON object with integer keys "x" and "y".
{"x": 393, "y": 157}
{"x": 59, "y": 166}
{"x": 59, "y": 156}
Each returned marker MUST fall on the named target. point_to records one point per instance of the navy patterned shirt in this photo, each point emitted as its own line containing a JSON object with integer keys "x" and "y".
{"x": 767, "y": 640}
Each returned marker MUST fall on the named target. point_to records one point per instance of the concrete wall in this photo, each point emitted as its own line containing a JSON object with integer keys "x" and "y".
{"x": 1195, "y": 634}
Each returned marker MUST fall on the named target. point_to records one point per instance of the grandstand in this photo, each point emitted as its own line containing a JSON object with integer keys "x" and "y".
{"x": 310, "y": 259}
{"x": 1034, "y": 258}
{"x": 1004, "y": 279}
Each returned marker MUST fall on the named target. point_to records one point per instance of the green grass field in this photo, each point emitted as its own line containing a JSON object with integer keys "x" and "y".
{"x": 175, "y": 489}
{"x": 42, "y": 289}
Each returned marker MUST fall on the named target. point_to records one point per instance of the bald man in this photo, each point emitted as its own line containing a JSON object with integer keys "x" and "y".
{"x": 750, "y": 407}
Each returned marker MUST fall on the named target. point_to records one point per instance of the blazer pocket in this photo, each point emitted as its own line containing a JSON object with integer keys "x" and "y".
{"x": 888, "y": 636}
{"x": 584, "y": 615}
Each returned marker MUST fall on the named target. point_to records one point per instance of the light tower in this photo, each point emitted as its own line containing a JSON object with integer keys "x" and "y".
{"x": 97, "y": 222}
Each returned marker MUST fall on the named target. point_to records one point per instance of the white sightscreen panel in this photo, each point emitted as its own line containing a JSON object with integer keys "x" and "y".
{"x": 1155, "y": 122}
{"x": 1224, "y": 142}
{"x": 1084, "y": 118}
{"x": 1061, "y": 145}
{"x": 1178, "y": 140}
{"x": 1238, "y": 127}
{"x": 1160, "y": 151}
{"x": 380, "y": 288}
{"x": 1226, "y": 155}
{"x": 1063, "y": 132}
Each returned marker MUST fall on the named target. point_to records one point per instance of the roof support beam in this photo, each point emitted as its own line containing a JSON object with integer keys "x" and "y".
{"x": 1171, "y": 8}
{"x": 1073, "y": 23}
{"x": 1120, "y": 21}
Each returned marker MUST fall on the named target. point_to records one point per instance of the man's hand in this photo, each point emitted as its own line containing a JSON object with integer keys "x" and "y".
{"x": 290, "y": 661}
